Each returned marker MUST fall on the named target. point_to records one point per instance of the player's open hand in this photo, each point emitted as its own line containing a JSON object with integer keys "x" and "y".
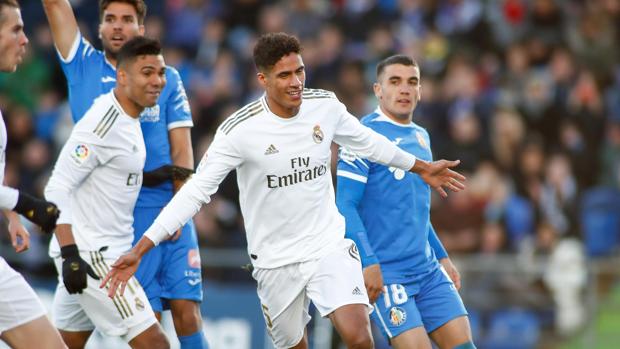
{"x": 439, "y": 176}
{"x": 122, "y": 270}
{"x": 373, "y": 280}
{"x": 452, "y": 272}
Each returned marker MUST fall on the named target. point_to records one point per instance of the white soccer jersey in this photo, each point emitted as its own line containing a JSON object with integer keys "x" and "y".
{"x": 283, "y": 171}
{"x": 97, "y": 177}
{"x": 8, "y": 196}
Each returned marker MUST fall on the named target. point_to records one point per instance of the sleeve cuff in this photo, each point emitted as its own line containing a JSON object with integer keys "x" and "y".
{"x": 8, "y": 197}
{"x": 156, "y": 233}
{"x": 370, "y": 260}
{"x": 403, "y": 160}
{"x": 72, "y": 51}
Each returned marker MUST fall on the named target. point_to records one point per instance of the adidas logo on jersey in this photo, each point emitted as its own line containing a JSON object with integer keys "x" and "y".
{"x": 271, "y": 150}
{"x": 357, "y": 292}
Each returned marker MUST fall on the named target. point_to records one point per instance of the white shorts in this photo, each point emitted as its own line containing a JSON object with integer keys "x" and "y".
{"x": 330, "y": 282}
{"x": 19, "y": 303}
{"x": 124, "y": 316}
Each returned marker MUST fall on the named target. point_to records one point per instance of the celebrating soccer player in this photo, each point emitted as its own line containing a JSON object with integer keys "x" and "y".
{"x": 96, "y": 181}
{"x": 171, "y": 273}
{"x": 387, "y": 213}
{"x": 280, "y": 147}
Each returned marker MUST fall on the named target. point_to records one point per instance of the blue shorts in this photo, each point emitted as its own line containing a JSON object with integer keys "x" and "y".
{"x": 431, "y": 302}
{"x": 171, "y": 270}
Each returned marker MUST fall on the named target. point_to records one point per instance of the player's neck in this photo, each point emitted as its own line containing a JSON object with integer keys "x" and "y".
{"x": 281, "y": 111}
{"x": 110, "y": 58}
{"x": 400, "y": 119}
{"x": 130, "y": 107}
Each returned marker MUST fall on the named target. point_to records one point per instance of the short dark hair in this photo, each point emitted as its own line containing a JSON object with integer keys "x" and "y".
{"x": 138, "y": 5}
{"x": 396, "y": 59}
{"x": 271, "y": 47}
{"x": 138, "y": 46}
{"x": 7, "y": 3}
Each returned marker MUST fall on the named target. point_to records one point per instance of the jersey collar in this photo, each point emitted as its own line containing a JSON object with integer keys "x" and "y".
{"x": 272, "y": 114}
{"x": 385, "y": 118}
{"x": 120, "y": 107}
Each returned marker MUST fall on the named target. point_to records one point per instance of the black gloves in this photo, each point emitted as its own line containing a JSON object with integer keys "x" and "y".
{"x": 74, "y": 269}
{"x": 165, "y": 173}
{"x": 40, "y": 212}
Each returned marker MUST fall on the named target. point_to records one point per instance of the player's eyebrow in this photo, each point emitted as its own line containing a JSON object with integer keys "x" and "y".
{"x": 288, "y": 72}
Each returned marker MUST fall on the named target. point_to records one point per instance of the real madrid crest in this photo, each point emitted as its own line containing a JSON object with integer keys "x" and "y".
{"x": 317, "y": 134}
{"x": 139, "y": 304}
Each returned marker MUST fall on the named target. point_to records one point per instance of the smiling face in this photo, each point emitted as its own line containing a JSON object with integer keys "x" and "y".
{"x": 398, "y": 91}
{"x": 119, "y": 24}
{"x": 284, "y": 84}
{"x": 13, "y": 41}
{"x": 141, "y": 81}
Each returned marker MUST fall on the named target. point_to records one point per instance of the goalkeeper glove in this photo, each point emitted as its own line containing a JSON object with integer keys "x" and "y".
{"x": 40, "y": 212}
{"x": 74, "y": 269}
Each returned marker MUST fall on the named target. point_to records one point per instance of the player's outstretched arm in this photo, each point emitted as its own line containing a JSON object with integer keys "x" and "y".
{"x": 439, "y": 176}
{"x": 125, "y": 267}
{"x": 63, "y": 24}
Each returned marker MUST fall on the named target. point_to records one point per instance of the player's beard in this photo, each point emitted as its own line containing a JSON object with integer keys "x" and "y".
{"x": 110, "y": 53}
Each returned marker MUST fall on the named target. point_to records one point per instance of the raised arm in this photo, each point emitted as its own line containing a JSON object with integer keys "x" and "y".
{"x": 63, "y": 24}
{"x": 179, "y": 122}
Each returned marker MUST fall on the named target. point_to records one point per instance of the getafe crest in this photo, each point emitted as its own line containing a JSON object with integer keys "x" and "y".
{"x": 421, "y": 140}
{"x": 317, "y": 134}
{"x": 397, "y": 316}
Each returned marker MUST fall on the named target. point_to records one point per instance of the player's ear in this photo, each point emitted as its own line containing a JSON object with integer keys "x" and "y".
{"x": 141, "y": 29}
{"x": 376, "y": 87}
{"x": 262, "y": 79}
{"x": 419, "y": 92}
{"x": 121, "y": 76}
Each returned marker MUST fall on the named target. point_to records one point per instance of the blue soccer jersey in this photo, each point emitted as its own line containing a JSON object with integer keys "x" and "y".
{"x": 90, "y": 75}
{"x": 387, "y": 210}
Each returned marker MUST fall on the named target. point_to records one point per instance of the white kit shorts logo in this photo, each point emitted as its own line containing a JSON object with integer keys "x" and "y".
{"x": 398, "y": 316}
{"x": 317, "y": 134}
{"x": 139, "y": 304}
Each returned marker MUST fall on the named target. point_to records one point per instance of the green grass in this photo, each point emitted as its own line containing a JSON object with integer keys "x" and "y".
{"x": 607, "y": 327}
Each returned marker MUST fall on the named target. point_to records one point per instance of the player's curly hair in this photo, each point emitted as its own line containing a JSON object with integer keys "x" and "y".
{"x": 271, "y": 47}
{"x": 138, "y": 5}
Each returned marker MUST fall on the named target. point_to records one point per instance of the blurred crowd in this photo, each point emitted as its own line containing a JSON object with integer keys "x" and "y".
{"x": 526, "y": 93}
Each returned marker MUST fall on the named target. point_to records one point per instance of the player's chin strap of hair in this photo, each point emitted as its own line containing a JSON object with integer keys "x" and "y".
{"x": 468, "y": 345}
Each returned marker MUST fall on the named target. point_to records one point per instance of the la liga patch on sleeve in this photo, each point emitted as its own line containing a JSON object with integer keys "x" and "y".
{"x": 80, "y": 153}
